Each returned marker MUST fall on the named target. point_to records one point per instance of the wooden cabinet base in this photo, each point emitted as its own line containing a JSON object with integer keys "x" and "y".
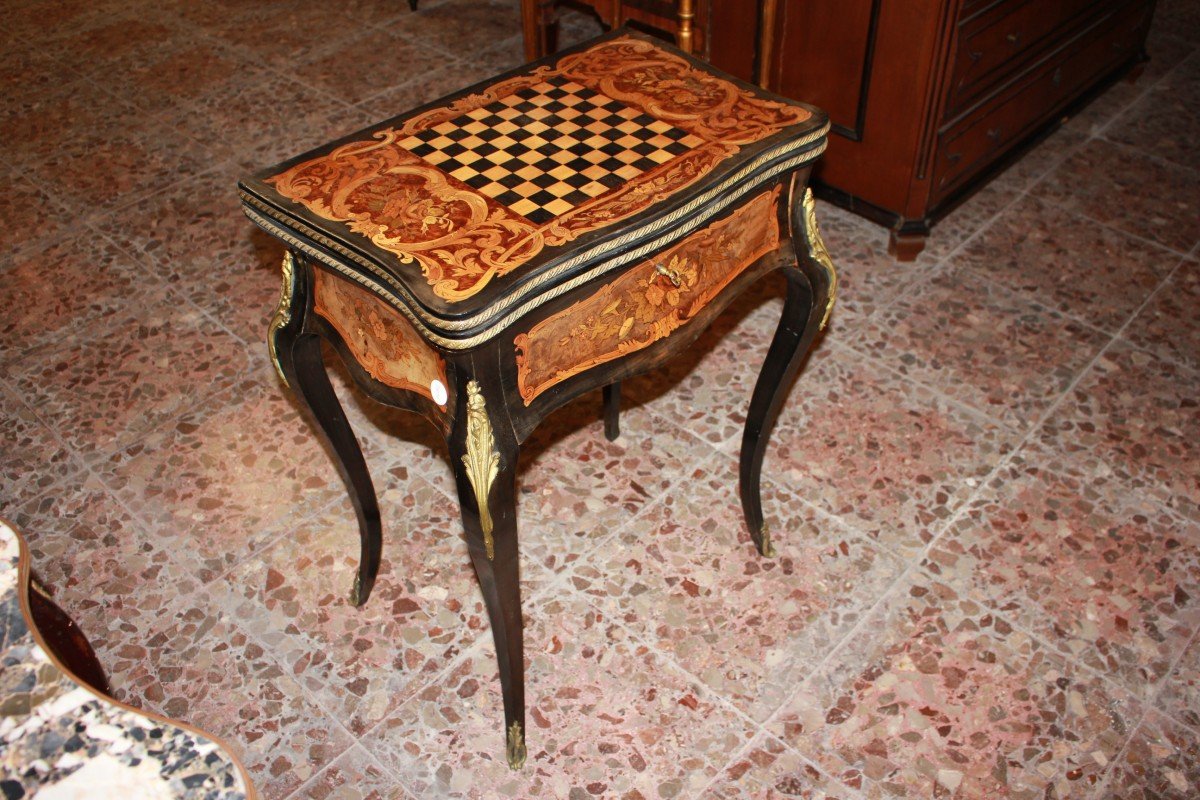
{"x": 930, "y": 100}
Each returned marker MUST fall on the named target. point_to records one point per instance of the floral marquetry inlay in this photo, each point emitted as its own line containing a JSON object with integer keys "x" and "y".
{"x": 472, "y": 190}
{"x": 383, "y": 342}
{"x": 649, "y": 302}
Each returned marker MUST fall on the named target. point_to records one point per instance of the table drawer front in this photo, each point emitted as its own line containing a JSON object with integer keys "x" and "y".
{"x": 996, "y": 41}
{"x": 971, "y": 144}
{"x": 381, "y": 340}
{"x": 646, "y": 303}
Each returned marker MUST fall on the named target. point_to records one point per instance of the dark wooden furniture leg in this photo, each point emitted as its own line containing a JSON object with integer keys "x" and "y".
{"x": 297, "y": 355}
{"x": 612, "y": 411}
{"x": 539, "y": 24}
{"x": 906, "y": 246}
{"x": 483, "y": 452}
{"x": 811, "y": 286}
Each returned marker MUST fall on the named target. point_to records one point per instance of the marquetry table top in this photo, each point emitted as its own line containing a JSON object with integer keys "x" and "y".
{"x": 470, "y": 210}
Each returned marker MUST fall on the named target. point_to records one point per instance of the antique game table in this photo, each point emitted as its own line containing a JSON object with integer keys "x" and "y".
{"x": 486, "y": 258}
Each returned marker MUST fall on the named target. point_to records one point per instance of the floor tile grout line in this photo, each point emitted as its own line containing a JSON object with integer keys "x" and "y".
{"x": 1149, "y": 707}
{"x": 1144, "y": 93}
{"x": 302, "y": 790}
{"x": 173, "y": 289}
{"x": 175, "y": 415}
{"x": 561, "y": 580}
{"x": 836, "y": 650}
{"x": 1041, "y": 305}
{"x": 914, "y": 564}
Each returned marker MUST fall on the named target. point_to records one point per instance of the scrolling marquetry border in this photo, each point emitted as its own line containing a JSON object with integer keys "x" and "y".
{"x": 403, "y": 205}
{"x": 508, "y": 309}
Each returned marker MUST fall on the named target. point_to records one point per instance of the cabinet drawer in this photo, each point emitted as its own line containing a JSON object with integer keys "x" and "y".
{"x": 646, "y": 303}
{"x": 379, "y": 338}
{"x": 998, "y": 41}
{"x": 970, "y": 144}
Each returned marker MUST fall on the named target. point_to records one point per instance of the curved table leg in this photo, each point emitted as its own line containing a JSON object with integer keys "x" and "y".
{"x": 612, "y": 411}
{"x": 811, "y": 288}
{"x": 485, "y": 470}
{"x": 297, "y": 356}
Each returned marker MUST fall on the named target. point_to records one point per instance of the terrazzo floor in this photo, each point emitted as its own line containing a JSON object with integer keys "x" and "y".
{"x": 985, "y": 488}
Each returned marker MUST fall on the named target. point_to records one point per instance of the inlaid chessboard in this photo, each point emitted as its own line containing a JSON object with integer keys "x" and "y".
{"x": 546, "y": 149}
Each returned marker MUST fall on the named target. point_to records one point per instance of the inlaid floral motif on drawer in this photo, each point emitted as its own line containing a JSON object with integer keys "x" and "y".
{"x": 647, "y": 303}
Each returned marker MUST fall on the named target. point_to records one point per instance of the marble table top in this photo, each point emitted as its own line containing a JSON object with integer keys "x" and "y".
{"x": 60, "y": 740}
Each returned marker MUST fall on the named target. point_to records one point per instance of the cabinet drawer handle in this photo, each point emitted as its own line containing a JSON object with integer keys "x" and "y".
{"x": 994, "y": 134}
{"x": 1013, "y": 38}
{"x": 954, "y": 158}
{"x": 1056, "y": 78}
{"x": 669, "y": 274}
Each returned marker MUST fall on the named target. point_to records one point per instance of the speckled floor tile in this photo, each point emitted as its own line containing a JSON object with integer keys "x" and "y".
{"x": 461, "y": 26}
{"x": 1047, "y": 154}
{"x": 196, "y": 229}
{"x": 46, "y": 299}
{"x": 1111, "y": 579}
{"x": 41, "y": 23}
{"x": 426, "y": 609}
{"x": 868, "y": 278}
{"x": 1137, "y": 413}
{"x": 606, "y": 716}
{"x": 35, "y": 127}
{"x": 969, "y": 218}
{"x": 1161, "y": 762}
{"x": 423, "y": 86}
{"x": 1180, "y": 695}
{"x": 890, "y": 457}
{"x": 1130, "y": 191}
{"x": 201, "y": 667}
{"x": 89, "y": 548}
{"x": 707, "y": 389}
{"x": 127, "y": 377}
{"x": 177, "y": 76}
{"x": 1166, "y": 49}
{"x": 366, "y": 65}
{"x": 688, "y": 580}
{"x": 936, "y": 696}
{"x": 355, "y": 775}
{"x": 34, "y": 458}
{"x": 1164, "y": 122}
{"x": 396, "y": 444}
{"x": 576, "y": 487}
{"x": 1179, "y": 18}
{"x": 980, "y": 344}
{"x": 264, "y": 117}
{"x": 32, "y": 218}
{"x": 282, "y": 34}
{"x": 770, "y": 771}
{"x": 109, "y": 48}
{"x": 218, "y": 481}
{"x": 109, "y": 154}
{"x": 28, "y": 70}
{"x": 208, "y": 552}
{"x": 1168, "y": 324}
{"x": 1068, "y": 263}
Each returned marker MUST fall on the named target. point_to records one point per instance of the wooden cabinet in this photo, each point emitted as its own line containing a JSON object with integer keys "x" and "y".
{"x": 929, "y": 99}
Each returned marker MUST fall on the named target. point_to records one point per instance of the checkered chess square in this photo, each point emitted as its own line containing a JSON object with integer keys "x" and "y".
{"x": 548, "y": 148}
